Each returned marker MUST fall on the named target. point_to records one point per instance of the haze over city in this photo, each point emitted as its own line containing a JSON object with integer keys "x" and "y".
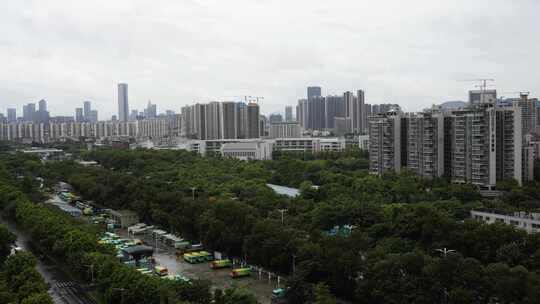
{"x": 175, "y": 53}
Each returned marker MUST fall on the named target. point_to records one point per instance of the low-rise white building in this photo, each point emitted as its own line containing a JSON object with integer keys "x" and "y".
{"x": 249, "y": 150}
{"x": 310, "y": 144}
{"x": 529, "y": 222}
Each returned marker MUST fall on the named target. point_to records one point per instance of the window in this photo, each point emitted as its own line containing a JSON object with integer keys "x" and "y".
{"x": 515, "y": 223}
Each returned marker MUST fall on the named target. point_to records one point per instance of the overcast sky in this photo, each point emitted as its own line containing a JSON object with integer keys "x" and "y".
{"x": 177, "y": 52}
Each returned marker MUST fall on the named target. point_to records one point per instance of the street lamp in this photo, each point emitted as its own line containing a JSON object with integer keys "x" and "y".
{"x": 294, "y": 263}
{"x": 444, "y": 251}
{"x": 193, "y": 192}
{"x": 91, "y": 266}
{"x": 121, "y": 293}
{"x": 282, "y": 211}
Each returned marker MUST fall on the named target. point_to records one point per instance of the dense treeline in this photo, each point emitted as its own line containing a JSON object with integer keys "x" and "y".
{"x": 75, "y": 244}
{"x": 20, "y": 282}
{"x": 400, "y": 222}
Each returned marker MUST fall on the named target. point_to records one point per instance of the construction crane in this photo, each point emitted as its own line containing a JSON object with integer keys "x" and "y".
{"x": 483, "y": 82}
{"x": 521, "y": 93}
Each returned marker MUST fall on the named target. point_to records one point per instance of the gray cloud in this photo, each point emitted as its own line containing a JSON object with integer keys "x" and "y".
{"x": 177, "y": 52}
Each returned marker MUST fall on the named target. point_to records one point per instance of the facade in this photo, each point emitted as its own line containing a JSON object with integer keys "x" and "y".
{"x": 363, "y": 142}
{"x": 309, "y": 144}
{"x": 252, "y": 150}
{"x": 61, "y": 130}
{"x": 386, "y": 147}
{"x": 529, "y": 222}
{"x": 334, "y": 107}
{"x": 288, "y": 114}
{"x": 285, "y": 130}
{"x": 342, "y": 126}
{"x": 79, "y": 115}
{"x": 11, "y": 115}
{"x": 313, "y": 92}
{"x": 222, "y": 120}
{"x": 229, "y": 120}
{"x": 123, "y": 103}
{"x": 482, "y": 96}
{"x": 355, "y": 111}
{"x": 425, "y": 144}
{"x": 29, "y": 112}
{"x": 479, "y": 144}
{"x": 87, "y": 107}
{"x": 252, "y": 121}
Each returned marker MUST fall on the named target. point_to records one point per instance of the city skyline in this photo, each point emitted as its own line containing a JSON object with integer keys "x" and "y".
{"x": 416, "y": 58}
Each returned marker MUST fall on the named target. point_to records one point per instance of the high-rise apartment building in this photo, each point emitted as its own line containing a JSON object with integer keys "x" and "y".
{"x": 151, "y": 111}
{"x": 11, "y": 115}
{"x": 229, "y": 112}
{"x": 92, "y": 116}
{"x": 252, "y": 120}
{"x": 425, "y": 144}
{"x": 354, "y": 110}
{"x": 334, "y": 106}
{"x": 387, "y": 147}
{"x": 42, "y": 105}
{"x": 288, "y": 113}
{"x": 213, "y": 121}
{"x": 29, "y": 112}
{"x": 479, "y": 144}
{"x": 275, "y": 118}
{"x": 123, "y": 104}
{"x": 313, "y": 92}
{"x": 79, "y": 115}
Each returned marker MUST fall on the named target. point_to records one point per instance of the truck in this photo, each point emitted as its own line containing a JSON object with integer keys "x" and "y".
{"x": 240, "y": 273}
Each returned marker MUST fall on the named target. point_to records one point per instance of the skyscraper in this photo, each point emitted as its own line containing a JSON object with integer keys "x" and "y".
{"x": 123, "y": 104}
{"x": 288, "y": 114}
{"x": 87, "y": 107}
{"x": 11, "y": 115}
{"x": 313, "y": 92}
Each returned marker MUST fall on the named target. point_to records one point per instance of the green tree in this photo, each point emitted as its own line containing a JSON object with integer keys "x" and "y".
{"x": 323, "y": 295}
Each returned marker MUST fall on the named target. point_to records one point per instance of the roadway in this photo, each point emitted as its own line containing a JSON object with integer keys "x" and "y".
{"x": 62, "y": 289}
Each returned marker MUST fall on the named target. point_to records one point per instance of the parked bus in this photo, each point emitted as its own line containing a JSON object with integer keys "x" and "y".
{"x": 240, "y": 272}
{"x": 218, "y": 264}
{"x": 161, "y": 271}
